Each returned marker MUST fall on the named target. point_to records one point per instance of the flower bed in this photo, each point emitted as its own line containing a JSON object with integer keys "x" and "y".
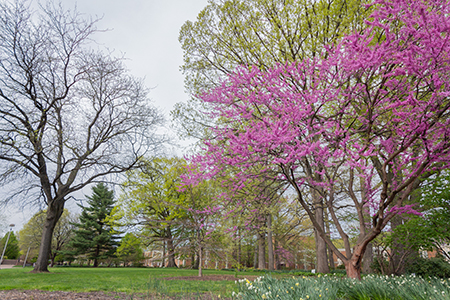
{"x": 330, "y": 287}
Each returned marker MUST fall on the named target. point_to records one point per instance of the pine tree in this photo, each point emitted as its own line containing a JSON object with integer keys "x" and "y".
{"x": 94, "y": 237}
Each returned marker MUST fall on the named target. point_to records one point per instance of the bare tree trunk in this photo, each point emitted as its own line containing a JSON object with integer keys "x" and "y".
{"x": 54, "y": 212}
{"x": 52, "y": 259}
{"x": 368, "y": 260}
{"x": 353, "y": 269}
{"x": 353, "y": 265}
{"x": 97, "y": 253}
{"x": 398, "y": 249}
{"x": 239, "y": 254}
{"x": 248, "y": 262}
{"x": 321, "y": 249}
{"x": 164, "y": 253}
{"x": 200, "y": 271}
{"x": 255, "y": 258}
{"x": 330, "y": 251}
{"x": 261, "y": 250}
{"x": 270, "y": 241}
{"x": 330, "y": 258}
{"x": 195, "y": 262}
{"x": 368, "y": 255}
{"x": 277, "y": 258}
{"x": 170, "y": 250}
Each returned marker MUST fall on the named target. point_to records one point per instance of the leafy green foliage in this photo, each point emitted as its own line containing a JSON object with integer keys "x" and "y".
{"x": 153, "y": 202}
{"x": 12, "y": 249}
{"x": 430, "y": 231}
{"x": 430, "y": 267}
{"x": 130, "y": 250}
{"x": 31, "y": 233}
{"x": 164, "y": 213}
{"x": 95, "y": 239}
{"x": 228, "y": 34}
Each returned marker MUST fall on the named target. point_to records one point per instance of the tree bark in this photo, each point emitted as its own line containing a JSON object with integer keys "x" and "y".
{"x": 97, "y": 253}
{"x": 353, "y": 265}
{"x": 196, "y": 261}
{"x": 239, "y": 254}
{"x": 321, "y": 249}
{"x": 52, "y": 260}
{"x": 368, "y": 260}
{"x": 398, "y": 249}
{"x": 171, "y": 250}
{"x": 270, "y": 242}
{"x": 330, "y": 251}
{"x": 200, "y": 271}
{"x": 261, "y": 250}
{"x": 54, "y": 212}
{"x": 352, "y": 269}
{"x": 255, "y": 258}
{"x": 163, "y": 263}
{"x": 277, "y": 258}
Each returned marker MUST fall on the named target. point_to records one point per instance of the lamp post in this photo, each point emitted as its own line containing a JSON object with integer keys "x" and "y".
{"x": 6, "y": 244}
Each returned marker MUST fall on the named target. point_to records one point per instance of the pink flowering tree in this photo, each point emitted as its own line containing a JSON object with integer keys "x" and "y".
{"x": 357, "y": 129}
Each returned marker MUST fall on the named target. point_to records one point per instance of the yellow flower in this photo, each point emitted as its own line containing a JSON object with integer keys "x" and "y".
{"x": 307, "y": 297}
{"x": 320, "y": 295}
{"x": 296, "y": 284}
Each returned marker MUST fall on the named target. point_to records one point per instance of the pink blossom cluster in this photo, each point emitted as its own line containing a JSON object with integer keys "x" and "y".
{"x": 377, "y": 104}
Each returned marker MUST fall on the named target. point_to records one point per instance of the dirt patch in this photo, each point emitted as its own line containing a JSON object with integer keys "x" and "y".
{"x": 44, "y": 295}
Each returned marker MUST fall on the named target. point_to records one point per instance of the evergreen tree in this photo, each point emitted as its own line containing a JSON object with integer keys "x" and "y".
{"x": 94, "y": 237}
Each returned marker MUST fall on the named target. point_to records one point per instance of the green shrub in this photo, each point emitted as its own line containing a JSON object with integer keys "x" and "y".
{"x": 431, "y": 267}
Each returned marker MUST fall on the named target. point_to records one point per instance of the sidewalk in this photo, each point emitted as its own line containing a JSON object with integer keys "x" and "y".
{"x": 6, "y": 266}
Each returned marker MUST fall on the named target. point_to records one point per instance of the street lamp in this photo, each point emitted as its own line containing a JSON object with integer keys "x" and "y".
{"x": 6, "y": 244}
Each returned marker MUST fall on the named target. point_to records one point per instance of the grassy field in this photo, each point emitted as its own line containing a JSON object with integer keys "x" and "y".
{"x": 287, "y": 286}
{"x": 128, "y": 280}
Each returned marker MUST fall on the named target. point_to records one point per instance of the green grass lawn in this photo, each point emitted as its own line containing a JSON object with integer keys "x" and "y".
{"x": 128, "y": 280}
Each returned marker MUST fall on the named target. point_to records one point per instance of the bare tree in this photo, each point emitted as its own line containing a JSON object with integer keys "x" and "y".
{"x": 69, "y": 115}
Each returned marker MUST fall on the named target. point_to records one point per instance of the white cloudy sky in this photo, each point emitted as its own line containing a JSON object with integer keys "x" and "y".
{"x": 146, "y": 32}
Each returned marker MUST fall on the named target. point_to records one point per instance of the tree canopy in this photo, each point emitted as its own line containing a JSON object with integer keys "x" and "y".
{"x": 373, "y": 110}
{"x": 70, "y": 114}
{"x": 229, "y": 34}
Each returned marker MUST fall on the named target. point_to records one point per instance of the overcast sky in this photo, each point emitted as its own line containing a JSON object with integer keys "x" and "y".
{"x": 146, "y": 32}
